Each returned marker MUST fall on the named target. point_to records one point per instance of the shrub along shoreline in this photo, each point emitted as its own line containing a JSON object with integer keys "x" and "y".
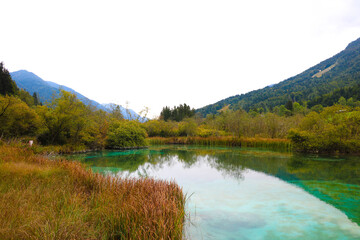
{"x": 60, "y": 199}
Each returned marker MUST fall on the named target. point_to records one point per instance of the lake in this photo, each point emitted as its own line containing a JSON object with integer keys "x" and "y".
{"x": 237, "y": 193}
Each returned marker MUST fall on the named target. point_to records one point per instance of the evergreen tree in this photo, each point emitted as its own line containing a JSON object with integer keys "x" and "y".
{"x": 177, "y": 113}
{"x": 289, "y": 105}
{"x": 165, "y": 113}
{"x": 7, "y": 85}
{"x": 36, "y": 99}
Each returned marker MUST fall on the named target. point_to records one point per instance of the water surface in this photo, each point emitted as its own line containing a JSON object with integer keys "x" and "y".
{"x": 239, "y": 193}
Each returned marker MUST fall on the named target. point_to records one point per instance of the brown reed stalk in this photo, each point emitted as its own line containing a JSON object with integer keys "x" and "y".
{"x": 59, "y": 199}
{"x": 270, "y": 143}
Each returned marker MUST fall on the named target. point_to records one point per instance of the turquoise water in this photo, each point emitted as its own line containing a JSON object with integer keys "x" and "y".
{"x": 239, "y": 193}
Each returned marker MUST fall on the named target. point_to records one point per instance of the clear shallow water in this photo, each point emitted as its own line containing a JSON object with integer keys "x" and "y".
{"x": 239, "y": 193}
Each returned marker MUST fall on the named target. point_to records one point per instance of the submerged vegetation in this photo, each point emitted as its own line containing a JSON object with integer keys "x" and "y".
{"x": 48, "y": 199}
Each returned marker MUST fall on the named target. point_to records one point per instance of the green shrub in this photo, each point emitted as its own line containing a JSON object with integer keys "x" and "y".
{"x": 155, "y": 128}
{"x": 126, "y": 133}
{"x": 335, "y": 129}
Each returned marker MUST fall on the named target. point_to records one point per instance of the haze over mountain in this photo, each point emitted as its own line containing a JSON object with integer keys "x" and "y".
{"x": 341, "y": 70}
{"x": 46, "y": 90}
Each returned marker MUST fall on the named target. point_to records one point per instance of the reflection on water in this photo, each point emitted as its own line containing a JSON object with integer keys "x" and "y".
{"x": 250, "y": 194}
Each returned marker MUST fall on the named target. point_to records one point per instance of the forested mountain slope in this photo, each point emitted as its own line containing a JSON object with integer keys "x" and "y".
{"x": 46, "y": 89}
{"x": 32, "y": 83}
{"x": 341, "y": 70}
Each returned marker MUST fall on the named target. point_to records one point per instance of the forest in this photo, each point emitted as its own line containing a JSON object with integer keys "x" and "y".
{"x": 316, "y": 85}
{"x": 316, "y": 130}
{"x": 332, "y": 124}
{"x": 62, "y": 199}
{"x": 46, "y": 199}
{"x": 65, "y": 121}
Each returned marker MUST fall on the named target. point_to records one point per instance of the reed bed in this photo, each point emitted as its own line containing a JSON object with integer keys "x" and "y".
{"x": 270, "y": 143}
{"x": 59, "y": 199}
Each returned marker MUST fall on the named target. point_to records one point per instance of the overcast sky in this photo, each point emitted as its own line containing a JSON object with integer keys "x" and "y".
{"x": 153, "y": 53}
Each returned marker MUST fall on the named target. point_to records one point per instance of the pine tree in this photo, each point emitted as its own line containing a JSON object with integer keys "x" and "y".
{"x": 177, "y": 113}
{"x": 165, "y": 114}
{"x": 7, "y": 85}
{"x": 289, "y": 105}
{"x": 36, "y": 99}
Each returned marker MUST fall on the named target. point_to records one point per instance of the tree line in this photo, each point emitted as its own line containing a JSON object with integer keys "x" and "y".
{"x": 319, "y": 129}
{"x": 67, "y": 121}
{"x": 64, "y": 121}
{"x": 308, "y": 87}
{"x": 178, "y": 113}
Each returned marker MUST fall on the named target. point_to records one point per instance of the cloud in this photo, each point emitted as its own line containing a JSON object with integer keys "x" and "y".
{"x": 161, "y": 52}
{"x": 351, "y": 18}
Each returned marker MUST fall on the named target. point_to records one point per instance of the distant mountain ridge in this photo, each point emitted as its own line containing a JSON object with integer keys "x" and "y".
{"x": 127, "y": 113}
{"x": 341, "y": 70}
{"x": 46, "y": 89}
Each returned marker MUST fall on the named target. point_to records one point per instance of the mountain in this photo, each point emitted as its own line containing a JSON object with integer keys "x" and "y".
{"x": 32, "y": 83}
{"x": 127, "y": 113}
{"x": 46, "y": 89}
{"x": 339, "y": 71}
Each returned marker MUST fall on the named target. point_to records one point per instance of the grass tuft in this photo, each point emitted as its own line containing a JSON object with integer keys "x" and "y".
{"x": 48, "y": 199}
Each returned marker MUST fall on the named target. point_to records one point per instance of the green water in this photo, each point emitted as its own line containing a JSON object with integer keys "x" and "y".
{"x": 239, "y": 193}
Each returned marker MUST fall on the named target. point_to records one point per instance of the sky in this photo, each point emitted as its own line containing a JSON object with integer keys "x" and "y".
{"x": 156, "y": 53}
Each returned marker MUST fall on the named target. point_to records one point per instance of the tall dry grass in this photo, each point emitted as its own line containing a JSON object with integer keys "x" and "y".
{"x": 270, "y": 143}
{"x": 48, "y": 199}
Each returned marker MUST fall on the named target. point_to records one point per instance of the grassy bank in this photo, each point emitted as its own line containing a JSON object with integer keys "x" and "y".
{"x": 48, "y": 199}
{"x": 37, "y": 148}
{"x": 271, "y": 143}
